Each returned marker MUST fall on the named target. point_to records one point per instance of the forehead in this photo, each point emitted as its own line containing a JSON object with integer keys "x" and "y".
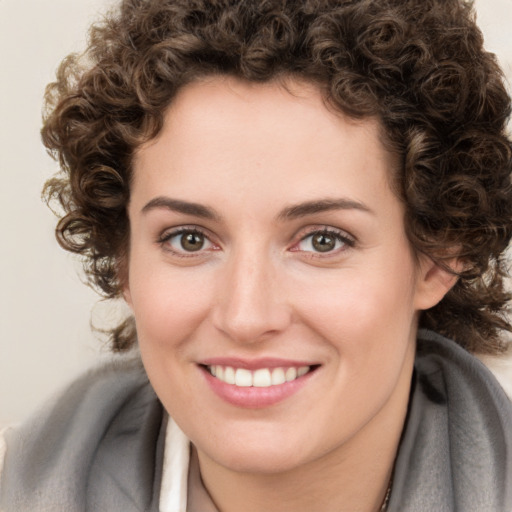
{"x": 222, "y": 133}
{"x": 227, "y": 102}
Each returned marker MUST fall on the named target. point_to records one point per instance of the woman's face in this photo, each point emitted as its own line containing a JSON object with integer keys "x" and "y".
{"x": 266, "y": 243}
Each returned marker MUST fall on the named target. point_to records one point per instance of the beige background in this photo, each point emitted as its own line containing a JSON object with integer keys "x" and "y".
{"x": 45, "y": 338}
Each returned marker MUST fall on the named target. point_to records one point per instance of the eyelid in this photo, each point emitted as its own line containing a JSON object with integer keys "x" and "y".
{"x": 346, "y": 238}
{"x": 170, "y": 233}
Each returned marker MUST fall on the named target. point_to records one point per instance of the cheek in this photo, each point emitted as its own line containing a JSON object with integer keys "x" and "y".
{"x": 169, "y": 311}
{"x": 368, "y": 322}
{"x": 362, "y": 311}
{"x": 168, "y": 304}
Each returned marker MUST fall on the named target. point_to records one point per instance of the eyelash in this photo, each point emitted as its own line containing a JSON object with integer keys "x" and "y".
{"x": 338, "y": 235}
{"x": 167, "y": 236}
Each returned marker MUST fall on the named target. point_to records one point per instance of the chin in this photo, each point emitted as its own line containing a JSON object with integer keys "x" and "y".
{"x": 261, "y": 453}
{"x": 260, "y": 461}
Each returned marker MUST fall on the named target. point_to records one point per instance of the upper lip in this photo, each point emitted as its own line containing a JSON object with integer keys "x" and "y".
{"x": 255, "y": 364}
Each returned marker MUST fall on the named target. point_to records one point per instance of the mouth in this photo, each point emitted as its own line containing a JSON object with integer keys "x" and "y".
{"x": 260, "y": 378}
{"x": 257, "y": 385}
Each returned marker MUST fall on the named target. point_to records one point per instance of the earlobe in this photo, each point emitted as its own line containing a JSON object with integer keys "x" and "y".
{"x": 434, "y": 282}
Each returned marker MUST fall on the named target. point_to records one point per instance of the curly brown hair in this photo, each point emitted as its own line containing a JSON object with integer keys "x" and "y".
{"x": 417, "y": 65}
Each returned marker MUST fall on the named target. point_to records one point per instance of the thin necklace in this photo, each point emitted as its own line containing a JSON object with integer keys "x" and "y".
{"x": 384, "y": 506}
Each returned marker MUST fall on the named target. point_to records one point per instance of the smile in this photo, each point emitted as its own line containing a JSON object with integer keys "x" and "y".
{"x": 257, "y": 384}
{"x": 260, "y": 378}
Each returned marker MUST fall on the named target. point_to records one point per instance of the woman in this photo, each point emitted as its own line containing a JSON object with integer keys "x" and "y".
{"x": 300, "y": 202}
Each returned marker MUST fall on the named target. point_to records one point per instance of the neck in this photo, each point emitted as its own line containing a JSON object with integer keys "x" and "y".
{"x": 352, "y": 478}
{"x": 338, "y": 490}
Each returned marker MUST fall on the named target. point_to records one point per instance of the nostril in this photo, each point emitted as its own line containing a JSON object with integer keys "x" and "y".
{"x": 250, "y": 325}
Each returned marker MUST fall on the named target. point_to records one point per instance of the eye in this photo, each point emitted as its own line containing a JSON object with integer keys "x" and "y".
{"x": 186, "y": 240}
{"x": 324, "y": 241}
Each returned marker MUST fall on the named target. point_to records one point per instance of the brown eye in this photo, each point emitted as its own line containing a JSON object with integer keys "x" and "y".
{"x": 191, "y": 242}
{"x": 185, "y": 241}
{"x": 323, "y": 242}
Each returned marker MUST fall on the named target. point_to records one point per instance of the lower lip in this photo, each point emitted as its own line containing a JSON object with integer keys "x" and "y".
{"x": 254, "y": 397}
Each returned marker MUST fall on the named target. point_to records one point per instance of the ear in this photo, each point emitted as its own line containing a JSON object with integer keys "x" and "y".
{"x": 126, "y": 292}
{"x": 433, "y": 282}
{"x": 127, "y": 296}
{"x": 122, "y": 273}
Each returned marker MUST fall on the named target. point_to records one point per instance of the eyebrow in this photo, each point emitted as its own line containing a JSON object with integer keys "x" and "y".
{"x": 319, "y": 206}
{"x": 185, "y": 207}
{"x": 289, "y": 213}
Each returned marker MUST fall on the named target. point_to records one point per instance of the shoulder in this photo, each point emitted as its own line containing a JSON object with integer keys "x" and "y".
{"x": 456, "y": 449}
{"x": 444, "y": 365}
{"x": 101, "y": 414}
{"x": 501, "y": 367}
{"x": 88, "y": 403}
{"x": 2, "y": 448}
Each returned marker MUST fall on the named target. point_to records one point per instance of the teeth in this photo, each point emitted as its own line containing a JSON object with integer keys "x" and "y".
{"x": 261, "y": 378}
{"x": 229, "y": 375}
{"x": 243, "y": 378}
{"x": 278, "y": 377}
{"x": 291, "y": 374}
{"x": 302, "y": 371}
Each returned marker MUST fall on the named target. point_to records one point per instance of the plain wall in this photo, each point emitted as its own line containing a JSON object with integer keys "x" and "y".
{"x": 45, "y": 310}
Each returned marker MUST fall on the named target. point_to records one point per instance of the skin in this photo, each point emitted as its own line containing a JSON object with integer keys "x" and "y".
{"x": 259, "y": 288}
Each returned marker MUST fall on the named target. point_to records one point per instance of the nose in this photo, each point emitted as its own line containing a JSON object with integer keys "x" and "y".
{"x": 250, "y": 304}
